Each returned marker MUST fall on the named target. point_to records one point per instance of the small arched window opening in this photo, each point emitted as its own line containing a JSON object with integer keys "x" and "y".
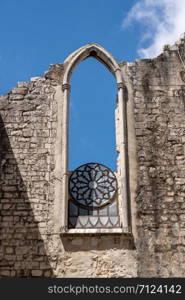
{"x": 73, "y": 187}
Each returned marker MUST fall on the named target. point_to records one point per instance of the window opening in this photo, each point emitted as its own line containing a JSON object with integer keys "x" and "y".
{"x": 91, "y": 116}
{"x": 66, "y": 188}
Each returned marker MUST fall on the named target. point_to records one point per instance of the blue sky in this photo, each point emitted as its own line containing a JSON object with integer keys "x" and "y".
{"x": 37, "y": 33}
{"x": 34, "y": 34}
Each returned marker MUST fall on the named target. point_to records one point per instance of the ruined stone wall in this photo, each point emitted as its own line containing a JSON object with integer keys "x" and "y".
{"x": 29, "y": 243}
{"x": 157, "y": 90}
{"x": 27, "y": 135}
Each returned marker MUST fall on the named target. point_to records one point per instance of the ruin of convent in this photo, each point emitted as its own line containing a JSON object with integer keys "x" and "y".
{"x": 92, "y": 221}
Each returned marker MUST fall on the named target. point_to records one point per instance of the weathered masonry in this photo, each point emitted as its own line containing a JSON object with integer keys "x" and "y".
{"x": 98, "y": 197}
{"x": 93, "y": 222}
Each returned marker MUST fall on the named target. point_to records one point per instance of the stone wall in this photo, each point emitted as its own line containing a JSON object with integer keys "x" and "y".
{"x": 27, "y": 133}
{"x": 30, "y": 245}
{"x": 158, "y": 93}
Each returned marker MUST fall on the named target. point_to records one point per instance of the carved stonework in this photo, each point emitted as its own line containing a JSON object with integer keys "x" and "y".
{"x": 66, "y": 86}
{"x": 120, "y": 85}
{"x": 61, "y": 204}
{"x": 92, "y": 186}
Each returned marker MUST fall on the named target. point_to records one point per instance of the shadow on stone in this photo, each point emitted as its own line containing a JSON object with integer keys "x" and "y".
{"x": 97, "y": 242}
{"x": 22, "y": 252}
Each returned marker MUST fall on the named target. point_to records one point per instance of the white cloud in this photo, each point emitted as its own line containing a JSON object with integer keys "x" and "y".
{"x": 162, "y": 21}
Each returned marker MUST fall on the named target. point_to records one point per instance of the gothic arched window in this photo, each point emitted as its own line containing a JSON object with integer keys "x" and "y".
{"x": 92, "y": 198}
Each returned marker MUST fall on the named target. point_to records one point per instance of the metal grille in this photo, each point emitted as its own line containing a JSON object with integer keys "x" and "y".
{"x": 106, "y": 217}
{"x": 93, "y": 188}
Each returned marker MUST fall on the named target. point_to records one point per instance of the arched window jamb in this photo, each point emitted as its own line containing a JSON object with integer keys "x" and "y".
{"x": 62, "y": 156}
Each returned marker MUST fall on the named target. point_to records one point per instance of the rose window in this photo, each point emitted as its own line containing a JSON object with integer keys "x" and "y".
{"x": 92, "y": 186}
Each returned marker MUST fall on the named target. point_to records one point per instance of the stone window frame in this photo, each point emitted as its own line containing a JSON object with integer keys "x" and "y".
{"x": 61, "y": 150}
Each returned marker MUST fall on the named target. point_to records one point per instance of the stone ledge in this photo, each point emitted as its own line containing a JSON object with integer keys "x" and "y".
{"x": 99, "y": 231}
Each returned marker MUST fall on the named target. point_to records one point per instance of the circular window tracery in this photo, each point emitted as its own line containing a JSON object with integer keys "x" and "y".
{"x": 92, "y": 185}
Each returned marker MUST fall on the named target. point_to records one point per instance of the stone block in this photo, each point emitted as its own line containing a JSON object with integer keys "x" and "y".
{"x": 4, "y": 273}
{"x": 182, "y": 217}
{"x": 27, "y": 132}
{"x": 20, "y": 90}
{"x": 36, "y": 273}
{"x": 16, "y": 97}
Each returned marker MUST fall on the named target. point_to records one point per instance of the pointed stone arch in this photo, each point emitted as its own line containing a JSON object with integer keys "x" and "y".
{"x": 96, "y": 51}
{"x": 61, "y": 169}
